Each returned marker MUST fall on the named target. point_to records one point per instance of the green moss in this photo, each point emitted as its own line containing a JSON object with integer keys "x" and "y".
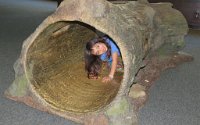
{"x": 19, "y": 86}
{"x": 180, "y": 44}
{"x": 164, "y": 50}
{"x": 118, "y": 108}
{"x": 171, "y": 47}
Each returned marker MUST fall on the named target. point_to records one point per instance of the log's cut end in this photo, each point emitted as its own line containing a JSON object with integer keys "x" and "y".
{"x": 55, "y": 68}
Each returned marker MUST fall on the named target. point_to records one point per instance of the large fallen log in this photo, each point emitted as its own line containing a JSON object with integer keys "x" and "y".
{"x": 50, "y": 72}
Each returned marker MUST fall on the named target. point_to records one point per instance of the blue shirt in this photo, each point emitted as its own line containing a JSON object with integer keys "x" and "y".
{"x": 114, "y": 49}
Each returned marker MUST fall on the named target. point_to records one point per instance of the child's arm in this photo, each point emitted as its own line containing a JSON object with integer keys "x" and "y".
{"x": 113, "y": 68}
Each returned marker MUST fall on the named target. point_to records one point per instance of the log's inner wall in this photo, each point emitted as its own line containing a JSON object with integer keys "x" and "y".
{"x": 55, "y": 65}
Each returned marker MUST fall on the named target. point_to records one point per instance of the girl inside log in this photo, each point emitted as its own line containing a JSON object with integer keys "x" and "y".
{"x": 102, "y": 50}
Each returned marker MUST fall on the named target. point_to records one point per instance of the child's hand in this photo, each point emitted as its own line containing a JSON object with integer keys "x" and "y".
{"x": 106, "y": 79}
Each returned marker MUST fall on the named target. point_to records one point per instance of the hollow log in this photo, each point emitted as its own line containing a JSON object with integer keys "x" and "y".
{"x": 50, "y": 76}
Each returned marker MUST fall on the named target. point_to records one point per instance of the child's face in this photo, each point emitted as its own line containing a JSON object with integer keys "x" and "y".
{"x": 99, "y": 49}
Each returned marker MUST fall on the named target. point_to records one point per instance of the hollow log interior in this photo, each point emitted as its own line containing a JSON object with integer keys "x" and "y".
{"x": 55, "y": 64}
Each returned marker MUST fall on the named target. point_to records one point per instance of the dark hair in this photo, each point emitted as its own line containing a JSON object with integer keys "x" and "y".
{"x": 93, "y": 63}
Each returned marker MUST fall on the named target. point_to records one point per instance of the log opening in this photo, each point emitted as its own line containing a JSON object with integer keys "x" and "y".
{"x": 55, "y": 64}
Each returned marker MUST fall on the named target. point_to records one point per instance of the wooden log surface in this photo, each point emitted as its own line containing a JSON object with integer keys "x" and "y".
{"x": 50, "y": 55}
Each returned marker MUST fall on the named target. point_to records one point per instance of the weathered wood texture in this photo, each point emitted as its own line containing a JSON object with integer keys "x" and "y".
{"x": 189, "y": 8}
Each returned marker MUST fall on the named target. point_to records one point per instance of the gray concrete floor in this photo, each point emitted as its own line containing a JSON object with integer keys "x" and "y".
{"x": 174, "y": 98}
